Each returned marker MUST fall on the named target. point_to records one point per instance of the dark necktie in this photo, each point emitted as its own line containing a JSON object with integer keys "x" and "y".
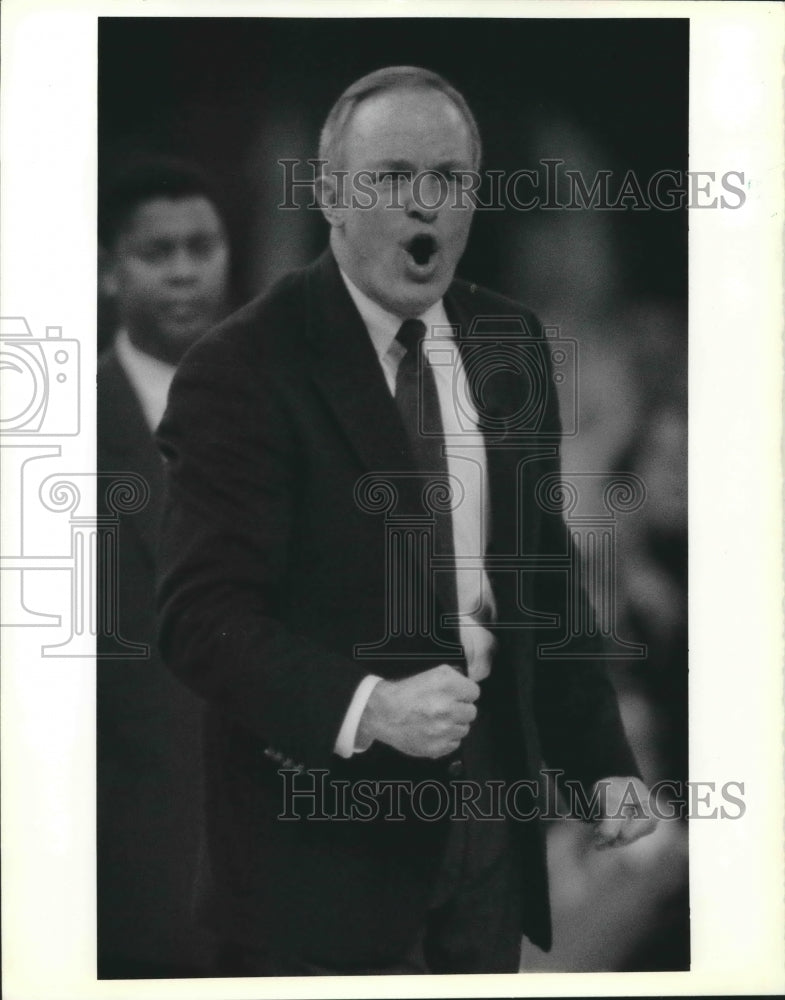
{"x": 418, "y": 403}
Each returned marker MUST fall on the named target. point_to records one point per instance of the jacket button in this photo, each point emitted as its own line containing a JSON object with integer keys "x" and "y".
{"x": 455, "y": 768}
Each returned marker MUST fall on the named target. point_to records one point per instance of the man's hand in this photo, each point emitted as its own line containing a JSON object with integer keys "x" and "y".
{"x": 426, "y": 715}
{"x": 626, "y": 815}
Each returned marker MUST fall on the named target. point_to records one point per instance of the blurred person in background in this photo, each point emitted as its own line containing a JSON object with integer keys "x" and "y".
{"x": 273, "y": 575}
{"x": 165, "y": 270}
{"x": 573, "y": 267}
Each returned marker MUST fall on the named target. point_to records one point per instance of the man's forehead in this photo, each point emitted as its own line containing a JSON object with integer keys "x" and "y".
{"x": 408, "y": 113}
{"x": 172, "y": 214}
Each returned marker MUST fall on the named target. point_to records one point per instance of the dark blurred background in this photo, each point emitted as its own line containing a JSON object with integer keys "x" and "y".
{"x": 237, "y": 95}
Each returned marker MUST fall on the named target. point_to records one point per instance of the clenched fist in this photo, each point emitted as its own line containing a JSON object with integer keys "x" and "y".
{"x": 426, "y": 715}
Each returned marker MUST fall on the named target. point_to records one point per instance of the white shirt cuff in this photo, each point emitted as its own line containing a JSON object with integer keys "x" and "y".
{"x": 345, "y": 744}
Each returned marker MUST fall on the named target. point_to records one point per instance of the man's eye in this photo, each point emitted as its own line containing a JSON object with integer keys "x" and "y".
{"x": 155, "y": 254}
{"x": 445, "y": 176}
{"x": 394, "y": 176}
{"x": 203, "y": 246}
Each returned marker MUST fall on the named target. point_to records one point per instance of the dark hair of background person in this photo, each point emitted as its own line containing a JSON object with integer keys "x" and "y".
{"x": 151, "y": 177}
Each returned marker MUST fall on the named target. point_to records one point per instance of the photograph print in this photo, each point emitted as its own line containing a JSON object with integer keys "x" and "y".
{"x": 392, "y": 357}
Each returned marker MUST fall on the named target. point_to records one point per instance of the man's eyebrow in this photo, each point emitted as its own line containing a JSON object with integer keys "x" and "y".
{"x": 394, "y": 165}
{"x": 449, "y": 165}
{"x": 199, "y": 232}
{"x": 405, "y": 166}
{"x": 154, "y": 240}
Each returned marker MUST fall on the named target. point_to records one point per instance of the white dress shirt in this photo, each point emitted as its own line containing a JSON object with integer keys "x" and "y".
{"x": 466, "y": 462}
{"x": 150, "y": 378}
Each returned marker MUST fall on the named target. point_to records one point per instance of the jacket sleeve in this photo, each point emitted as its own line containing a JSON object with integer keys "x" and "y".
{"x": 232, "y": 486}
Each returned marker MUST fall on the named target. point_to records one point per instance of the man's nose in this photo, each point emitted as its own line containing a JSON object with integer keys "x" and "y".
{"x": 182, "y": 266}
{"x": 426, "y": 196}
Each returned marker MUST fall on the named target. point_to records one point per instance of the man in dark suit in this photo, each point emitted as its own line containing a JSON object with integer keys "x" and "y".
{"x": 361, "y": 581}
{"x": 166, "y": 272}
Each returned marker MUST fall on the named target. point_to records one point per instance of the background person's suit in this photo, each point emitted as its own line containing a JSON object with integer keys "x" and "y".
{"x": 148, "y": 771}
{"x": 273, "y": 573}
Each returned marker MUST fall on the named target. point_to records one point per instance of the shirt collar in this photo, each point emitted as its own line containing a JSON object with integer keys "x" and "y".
{"x": 382, "y": 325}
{"x": 150, "y": 377}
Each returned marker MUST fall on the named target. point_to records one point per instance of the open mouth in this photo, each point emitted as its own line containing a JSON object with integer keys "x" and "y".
{"x": 184, "y": 308}
{"x": 421, "y": 249}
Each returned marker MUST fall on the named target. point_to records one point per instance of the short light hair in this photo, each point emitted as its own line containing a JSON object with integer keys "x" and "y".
{"x": 382, "y": 81}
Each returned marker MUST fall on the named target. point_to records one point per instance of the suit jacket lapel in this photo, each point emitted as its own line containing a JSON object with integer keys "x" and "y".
{"x": 351, "y": 380}
{"x": 126, "y": 445}
{"x": 348, "y": 373}
{"x": 501, "y": 453}
{"x": 500, "y": 395}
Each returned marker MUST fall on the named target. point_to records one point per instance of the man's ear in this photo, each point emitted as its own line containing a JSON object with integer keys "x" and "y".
{"x": 107, "y": 273}
{"x": 329, "y": 199}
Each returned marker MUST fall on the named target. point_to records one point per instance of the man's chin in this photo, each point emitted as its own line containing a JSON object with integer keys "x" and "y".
{"x": 184, "y": 333}
{"x": 413, "y": 297}
{"x": 174, "y": 340}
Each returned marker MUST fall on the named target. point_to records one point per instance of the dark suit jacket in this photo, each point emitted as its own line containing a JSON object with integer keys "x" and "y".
{"x": 273, "y": 573}
{"x": 148, "y": 772}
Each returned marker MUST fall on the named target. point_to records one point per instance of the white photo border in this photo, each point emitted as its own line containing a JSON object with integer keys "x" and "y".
{"x": 736, "y": 684}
